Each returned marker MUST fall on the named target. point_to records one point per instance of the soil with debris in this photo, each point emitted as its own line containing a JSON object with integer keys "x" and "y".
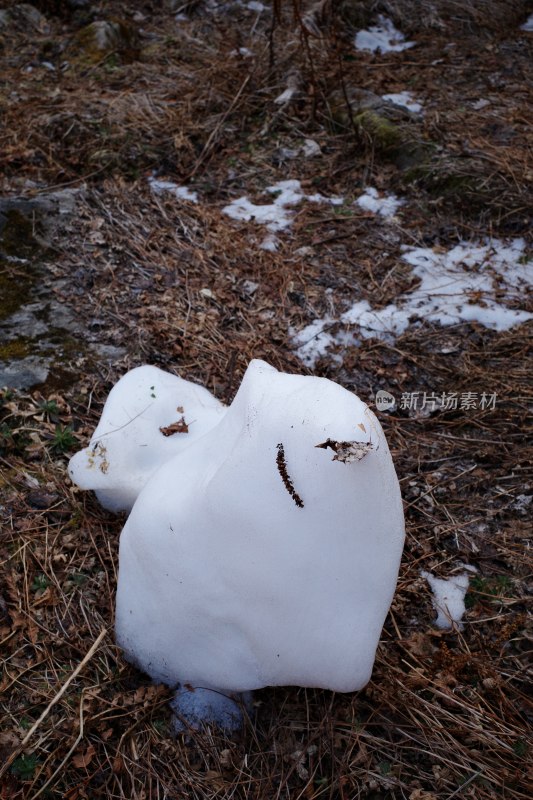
{"x": 110, "y": 107}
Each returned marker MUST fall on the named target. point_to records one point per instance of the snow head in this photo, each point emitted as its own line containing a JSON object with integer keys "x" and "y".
{"x": 266, "y": 552}
{"x": 149, "y": 416}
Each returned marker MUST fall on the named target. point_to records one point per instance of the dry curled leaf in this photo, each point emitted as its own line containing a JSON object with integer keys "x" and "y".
{"x": 82, "y": 760}
{"x": 347, "y": 452}
{"x": 177, "y": 427}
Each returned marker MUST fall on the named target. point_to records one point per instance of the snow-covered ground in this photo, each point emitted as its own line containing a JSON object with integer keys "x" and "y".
{"x": 382, "y": 38}
{"x": 468, "y": 283}
{"x": 277, "y": 215}
{"x": 479, "y": 282}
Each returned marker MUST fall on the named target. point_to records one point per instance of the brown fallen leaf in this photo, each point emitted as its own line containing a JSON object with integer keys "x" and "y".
{"x": 177, "y": 427}
{"x": 118, "y": 764}
{"x": 82, "y": 760}
{"x": 347, "y": 452}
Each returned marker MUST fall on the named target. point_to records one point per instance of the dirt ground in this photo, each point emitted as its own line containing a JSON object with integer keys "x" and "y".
{"x": 183, "y": 286}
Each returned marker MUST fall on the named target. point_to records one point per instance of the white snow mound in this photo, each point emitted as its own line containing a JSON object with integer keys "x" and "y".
{"x": 254, "y": 557}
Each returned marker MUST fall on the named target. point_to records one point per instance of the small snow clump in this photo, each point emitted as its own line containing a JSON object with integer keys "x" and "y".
{"x": 383, "y": 37}
{"x": 455, "y": 286}
{"x": 448, "y": 598}
{"x": 404, "y": 100}
{"x": 181, "y": 192}
{"x": 384, "y": 205}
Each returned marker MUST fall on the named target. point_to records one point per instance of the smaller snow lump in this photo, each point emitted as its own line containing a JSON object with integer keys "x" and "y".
{"x": 150, "y": 415}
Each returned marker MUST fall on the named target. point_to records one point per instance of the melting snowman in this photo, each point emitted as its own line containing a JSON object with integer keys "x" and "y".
{"x": 262, "y": 552}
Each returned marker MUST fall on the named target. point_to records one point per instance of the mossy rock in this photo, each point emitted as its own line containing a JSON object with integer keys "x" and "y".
{"x": 383, "y": 134}
{"x": 469, "y": 184}
{"x": 391, "y": 131}
{"x": 104, "y": 38}
{"x": 374, "y": 117}
{"x": 15, "y": 349}
{"x": 447, "y": 177}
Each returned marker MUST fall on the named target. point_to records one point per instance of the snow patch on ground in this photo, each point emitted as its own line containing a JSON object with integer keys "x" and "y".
{"x": 310, "y": 148}
{"x": 458, "y": 285}
{"x": 385, "y": 205}
{"x": 383, "y": 37}
{"x": 286, "y": 96}
{"x": 277, "y": 215}
{"x": 448, "y": 598}
{"x": 270, "y": 243}
{"x": 245, "y": 52}
{"x": 405, "y": 100}
{"x": 528, "y": 24}
{"x": 180, "y": 192}
{"x": 468, "y": 283}
{"x": 314, "y": 340}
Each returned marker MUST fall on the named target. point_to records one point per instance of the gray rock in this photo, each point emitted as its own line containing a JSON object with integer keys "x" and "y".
{"x": 24, "y": 373}
{"x": 23, "y": 16}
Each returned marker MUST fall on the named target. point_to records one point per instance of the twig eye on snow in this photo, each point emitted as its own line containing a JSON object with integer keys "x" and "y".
{"x": 285, "y": 477}
{"x": 347, "y": 452}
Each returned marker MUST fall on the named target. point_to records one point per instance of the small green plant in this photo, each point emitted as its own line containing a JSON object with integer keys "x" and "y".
{"x": 63, "y": 439}
{"x": 40, "y": 582}
{"x": 13, "y": 439}
{"x": 488, "y": 589}
{"x": 343, "y": 211}
{"x": 6, "y": 435}
{"x": 78, "y": 578}
{"x": 112, "y": 62}
{"x": 24, "y": 766}
{"x": 49, "y": 408}
{"x": 6, "y": 396}
{"x": 161, "y": 726}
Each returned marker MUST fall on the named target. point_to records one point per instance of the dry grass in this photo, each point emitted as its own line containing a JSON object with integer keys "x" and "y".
{"x": 446, "y": 715}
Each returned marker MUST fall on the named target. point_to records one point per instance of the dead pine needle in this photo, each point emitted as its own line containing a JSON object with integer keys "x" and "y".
{"x": 85, "y": 660}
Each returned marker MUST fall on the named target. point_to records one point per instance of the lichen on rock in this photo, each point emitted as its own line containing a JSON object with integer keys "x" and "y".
{"x": 103, "y": 38}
